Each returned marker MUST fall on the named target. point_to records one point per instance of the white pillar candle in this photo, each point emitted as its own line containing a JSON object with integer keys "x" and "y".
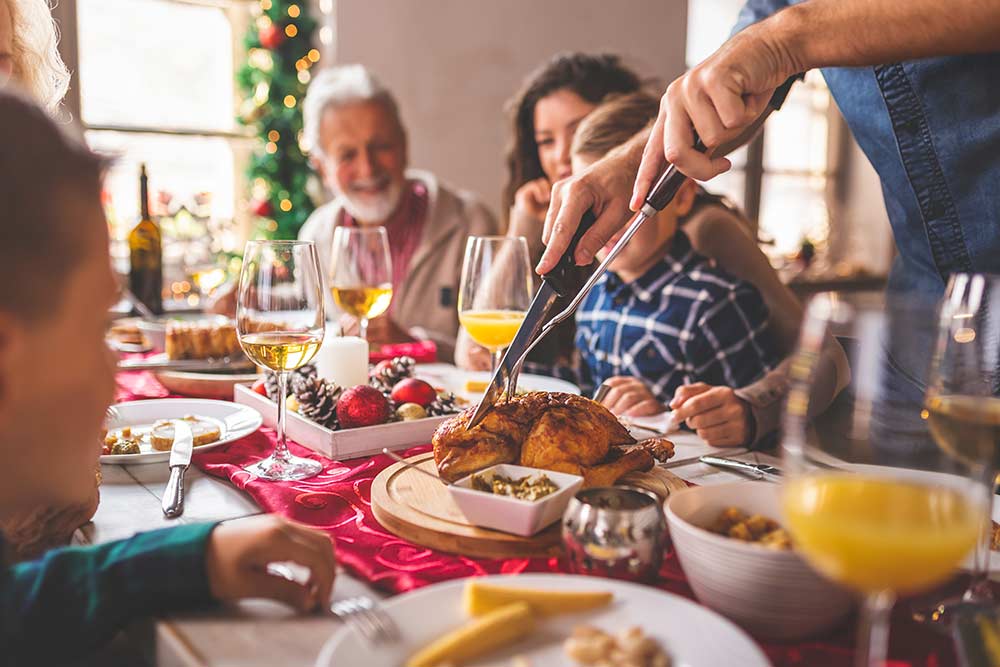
{"x": 343, "y": 360}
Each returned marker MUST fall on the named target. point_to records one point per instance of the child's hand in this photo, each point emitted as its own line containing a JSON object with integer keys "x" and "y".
{"x": 239, "y": 551}
{"x": 716, "y": 414}
{"x": 631, "y": 397}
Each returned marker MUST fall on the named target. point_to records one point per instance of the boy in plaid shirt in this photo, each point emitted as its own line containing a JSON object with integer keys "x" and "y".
{"x": 663, "y": 316}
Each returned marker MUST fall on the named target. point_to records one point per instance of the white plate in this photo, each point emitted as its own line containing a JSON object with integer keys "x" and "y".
{"x": 453, "y": 379}
{"x": 234, "y": 420}
{"x": 690, "y": 633}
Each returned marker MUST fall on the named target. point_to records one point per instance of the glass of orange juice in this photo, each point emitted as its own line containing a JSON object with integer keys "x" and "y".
{"x": 871, "y": 500}
{"x": 495, "y": 292}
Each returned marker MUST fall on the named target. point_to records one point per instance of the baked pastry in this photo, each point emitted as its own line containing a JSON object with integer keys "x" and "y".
{"x": 548, "y": 430}
{"x": 202, "y": 340}
{"x": 203, "y": 432}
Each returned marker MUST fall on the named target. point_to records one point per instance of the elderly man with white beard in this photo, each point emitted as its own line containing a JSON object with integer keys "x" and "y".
{"x": 357, "y": 143}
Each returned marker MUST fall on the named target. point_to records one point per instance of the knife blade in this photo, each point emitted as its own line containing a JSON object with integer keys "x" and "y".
{"x": 755, "y": 470}
{"x": 563, "y": 280}
{"x": 180, "y": 459}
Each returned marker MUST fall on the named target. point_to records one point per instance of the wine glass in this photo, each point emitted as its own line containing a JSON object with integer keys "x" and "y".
{"x": 963, "y": 409}
{"x": 870, "y": 500}
{"x": 495, "y": 292}
{"x": 280, "y": 323}
{"x": 361, "y": 273}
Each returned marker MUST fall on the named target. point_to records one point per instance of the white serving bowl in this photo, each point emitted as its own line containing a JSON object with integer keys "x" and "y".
{"x": 520, "y": 517}
{"x": 771, "y": 593}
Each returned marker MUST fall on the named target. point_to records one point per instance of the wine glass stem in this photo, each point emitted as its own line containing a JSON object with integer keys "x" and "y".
{"x": 873, "y": 635}
{"x": 496, "y": 356}
{"x": 363, "y": 327}
{"x": 281, "y": 448}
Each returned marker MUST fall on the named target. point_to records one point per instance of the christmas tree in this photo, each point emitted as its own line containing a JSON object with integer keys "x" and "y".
{"x": 273, "y": 82}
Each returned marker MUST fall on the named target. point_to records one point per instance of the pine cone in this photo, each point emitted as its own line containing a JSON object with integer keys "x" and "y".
{"x": 385, "y": 375}
{"x": 317, "y": 399}
{"x": 445, "y": 404}
{"x": 271, "y": 380}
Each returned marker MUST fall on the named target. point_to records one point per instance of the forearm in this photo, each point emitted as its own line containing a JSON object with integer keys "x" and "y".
{"x": 827, "y": 33}
{"x": 85, "y": 595}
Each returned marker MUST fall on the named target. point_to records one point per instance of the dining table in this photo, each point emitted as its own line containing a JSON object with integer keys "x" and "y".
{"x": 261, "y": 633}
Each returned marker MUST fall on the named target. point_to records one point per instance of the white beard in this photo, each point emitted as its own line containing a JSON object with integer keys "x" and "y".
{"x": 375, "y": 210}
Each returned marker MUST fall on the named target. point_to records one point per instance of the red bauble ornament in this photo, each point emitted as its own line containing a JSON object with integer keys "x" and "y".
{"x": 262, "y": 208}
{"x": 271, "y": 36}
{"x": 260, "y": 387}
{"x": 412, "y": 390}
{"x": 362, "y": 406}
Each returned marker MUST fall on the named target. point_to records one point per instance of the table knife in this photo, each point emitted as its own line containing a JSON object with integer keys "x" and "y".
{"x": 180, "y": 459}
{"x": 755, "y": 470}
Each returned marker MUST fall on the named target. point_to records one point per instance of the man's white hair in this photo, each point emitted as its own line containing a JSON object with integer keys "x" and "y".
{"x": 339, "y": 86}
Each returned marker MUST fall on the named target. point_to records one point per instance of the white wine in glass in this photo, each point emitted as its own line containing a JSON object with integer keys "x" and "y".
{"x": 280, "y": 323}
{"x": 963, "y": 412}
{"x": 870, "y": 500}
{"x": 495, "y": 292}
{"x": 361, "y": 273}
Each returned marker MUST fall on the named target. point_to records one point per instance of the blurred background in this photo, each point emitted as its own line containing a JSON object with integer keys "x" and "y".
{"x": 197, "y": 90}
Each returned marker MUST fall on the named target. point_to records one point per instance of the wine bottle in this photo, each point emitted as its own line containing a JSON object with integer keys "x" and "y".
{"x": 146, "y": 254}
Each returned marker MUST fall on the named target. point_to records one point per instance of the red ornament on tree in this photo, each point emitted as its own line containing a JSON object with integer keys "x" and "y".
{"x": 262, "y": 208}
{"x": 271, "y": 36}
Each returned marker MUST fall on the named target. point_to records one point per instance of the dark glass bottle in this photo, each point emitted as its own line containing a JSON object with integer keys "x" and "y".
{"x": 146, "y": 254}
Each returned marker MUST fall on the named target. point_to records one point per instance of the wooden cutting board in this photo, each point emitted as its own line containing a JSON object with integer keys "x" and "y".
{"x": 421, "y": 510}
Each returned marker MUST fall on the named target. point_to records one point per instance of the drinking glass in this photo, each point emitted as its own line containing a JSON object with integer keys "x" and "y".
{"x": 361, "y": 273}
{"x": 495, "y": 292}
{"x": 870, "y": 500}
{"x": 280, "y": 323}
{"x": 963, "y": 410}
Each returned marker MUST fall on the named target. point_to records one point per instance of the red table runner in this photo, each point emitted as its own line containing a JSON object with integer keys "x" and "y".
{"x": 338, "y": 501}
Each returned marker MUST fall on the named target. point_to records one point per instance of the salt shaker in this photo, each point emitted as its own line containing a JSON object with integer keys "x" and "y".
{"x": 615, "y": 532}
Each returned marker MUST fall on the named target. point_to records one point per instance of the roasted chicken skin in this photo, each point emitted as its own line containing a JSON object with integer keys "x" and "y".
{"x": 553, "y": 431}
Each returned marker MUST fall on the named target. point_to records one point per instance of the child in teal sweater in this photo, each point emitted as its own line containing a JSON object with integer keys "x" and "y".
{"x": 56, "y": 380}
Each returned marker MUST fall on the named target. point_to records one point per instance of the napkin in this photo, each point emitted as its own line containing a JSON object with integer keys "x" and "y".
{"x": 662, "y": 423}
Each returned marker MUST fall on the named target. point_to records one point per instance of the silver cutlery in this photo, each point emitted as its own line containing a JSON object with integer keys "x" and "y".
{"x": 180, "y": 459}
{"x": 365, "y": 616}
{"x": 756, "y": 470}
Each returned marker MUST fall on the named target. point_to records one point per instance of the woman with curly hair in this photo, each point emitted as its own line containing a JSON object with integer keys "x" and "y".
{"x": 28, "y": 51}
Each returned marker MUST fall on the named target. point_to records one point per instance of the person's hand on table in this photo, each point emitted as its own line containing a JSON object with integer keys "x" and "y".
{"x": 631, "y": 397}
{"x": 718, "y": 98}
{"x": 382, "y": 330}
{"x": 716, "y": 414}
{"x": 239, "y": 552}
{"x": 470, "y": 355}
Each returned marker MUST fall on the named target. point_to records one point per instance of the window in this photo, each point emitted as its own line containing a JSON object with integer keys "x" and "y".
{"x": 156, "y": 82}
{"x": 781, "y": 184}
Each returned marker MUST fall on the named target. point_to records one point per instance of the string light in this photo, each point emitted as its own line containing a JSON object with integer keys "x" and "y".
{"x": 265, "y": 4}
{"x": 301, "y": 64}
{"x": 293, "y": 11}
{"x": 289, "y": 101}
{"x": 285, "y": 205}
{"x": 313, "y": 55}
{"x": 291, "y": 30}
{"x": 271, "y": 148}
{"x": 326, "y": 6}
{"x": 272, "y": 225}
{"x": 326, "y": 35}
{"x": 304, "y": 76}
{"x": 273, "y": 135}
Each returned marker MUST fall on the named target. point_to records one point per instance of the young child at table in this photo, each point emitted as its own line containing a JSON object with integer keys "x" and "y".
{"x": 56, "y": 381}
{"x": 663, "y": 316}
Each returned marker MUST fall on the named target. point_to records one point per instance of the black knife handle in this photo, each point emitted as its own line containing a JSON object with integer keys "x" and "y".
{"x": 565, "y": 279}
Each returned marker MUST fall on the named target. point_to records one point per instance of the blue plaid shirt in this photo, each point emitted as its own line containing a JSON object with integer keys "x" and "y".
{"x": 683, "y": 321}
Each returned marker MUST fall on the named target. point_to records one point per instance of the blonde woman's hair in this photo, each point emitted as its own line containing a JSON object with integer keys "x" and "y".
{"x": 615, "y": 121}
{"x": 38, "y": 67}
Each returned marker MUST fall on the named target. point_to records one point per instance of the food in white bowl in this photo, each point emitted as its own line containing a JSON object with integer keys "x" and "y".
{"x": 770, "y": 592}
{"x": 508, "y": 513}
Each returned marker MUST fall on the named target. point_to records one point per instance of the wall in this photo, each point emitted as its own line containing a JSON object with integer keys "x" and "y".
{"x": 453, "y": 63}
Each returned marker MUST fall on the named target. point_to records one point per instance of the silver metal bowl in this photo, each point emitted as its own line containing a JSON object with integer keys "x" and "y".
{"x": 615, "y": 532}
